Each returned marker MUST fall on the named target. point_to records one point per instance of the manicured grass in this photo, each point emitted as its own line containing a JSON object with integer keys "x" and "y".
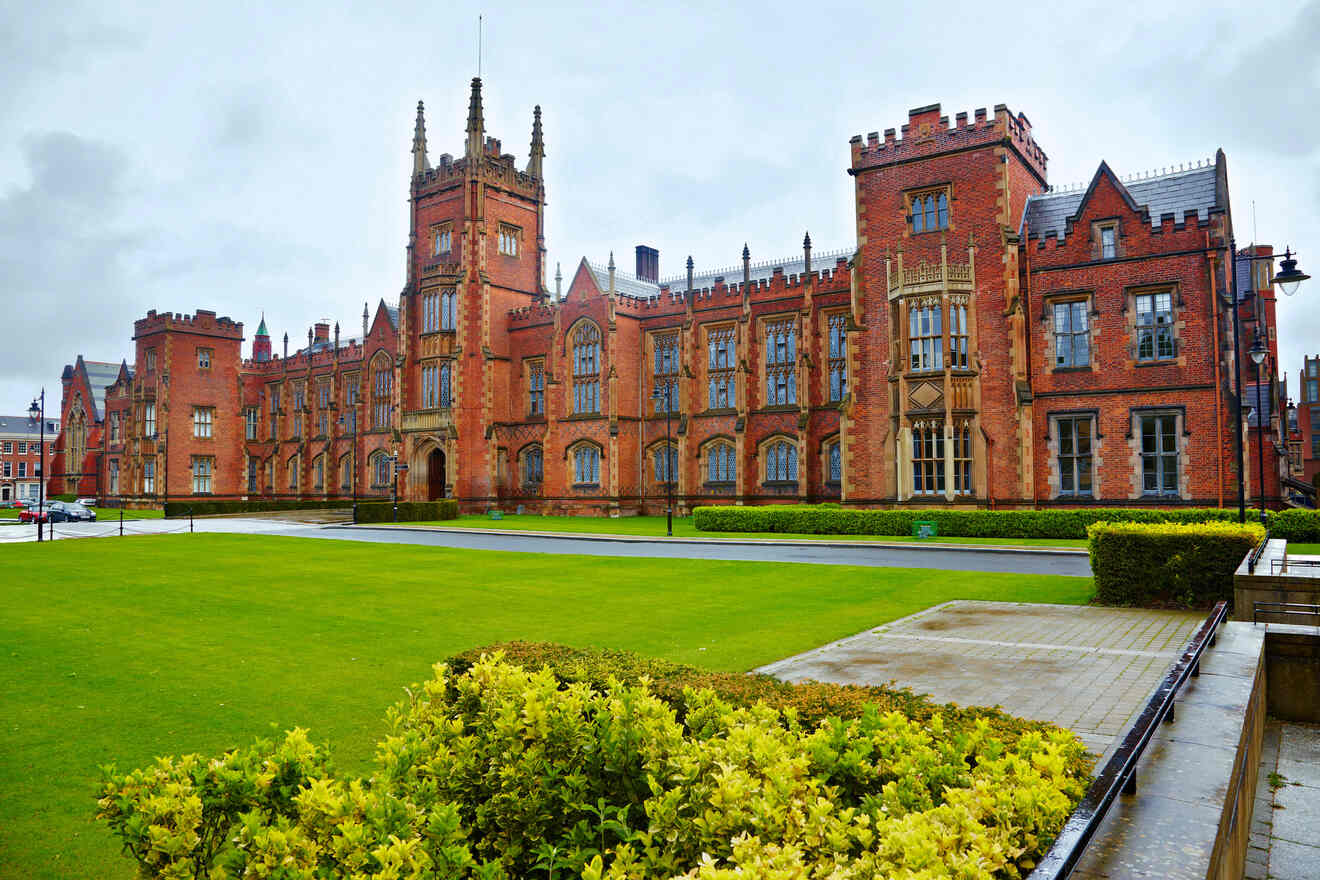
{"x": 1304, "y": 549}
{"x": 103, "y": 514}
{"x": 119, "y": 651}
{"x": 654, "y": 526}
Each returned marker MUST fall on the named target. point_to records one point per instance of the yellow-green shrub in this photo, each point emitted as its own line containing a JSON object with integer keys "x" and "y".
{"x": 1134, "y": 562}
{"x": 500, "y": 772}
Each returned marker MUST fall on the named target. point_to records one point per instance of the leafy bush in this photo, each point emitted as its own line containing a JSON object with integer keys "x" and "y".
{"x": 809, "y": 702}
{"x": 1069, "y": 522}
{"x": 212, "y": 506}
{"x": 499, "y": 772}
{"x": 409, "y": 511}
{"x": 1135, "y": 562}
{"x": 1296, "y": 524}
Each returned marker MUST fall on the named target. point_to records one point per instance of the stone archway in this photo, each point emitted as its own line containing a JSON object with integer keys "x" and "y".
{"x": 428, "y": 470}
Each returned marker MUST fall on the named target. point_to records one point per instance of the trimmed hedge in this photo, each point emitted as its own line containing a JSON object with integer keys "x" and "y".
{"x": 209, "y": 507}
{"x": 1054, "y": 523}
{"x": 808, "y": 702}
{"x": 1296, "y": 524}
{"x": 409, "y": 511}
{"x": 1134, "y": 563}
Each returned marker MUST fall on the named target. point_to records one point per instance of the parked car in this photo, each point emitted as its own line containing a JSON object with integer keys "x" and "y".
{"x": 72, "y": 512}
{"x": 35, "y": 514}
{"x": 86, "y": 502}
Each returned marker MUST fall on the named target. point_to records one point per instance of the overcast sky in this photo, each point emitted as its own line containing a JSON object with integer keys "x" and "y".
{"x": 229, "y": 157}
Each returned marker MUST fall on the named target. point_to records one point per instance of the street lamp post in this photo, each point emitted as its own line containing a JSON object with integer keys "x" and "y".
{"x": 394, "y": 466}
{"x": 1288, "y": 279}
{"x": 1258, "y": 353}
{"x": 38, "y": 411}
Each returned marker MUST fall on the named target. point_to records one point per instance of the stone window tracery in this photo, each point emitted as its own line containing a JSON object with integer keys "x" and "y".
{"x": 837, "y": 325}
{"x": 586, "y": 369}
{"x": 928, "y": 458}
{"x": 780, "y": 363}
{"x": 720, "y": 364}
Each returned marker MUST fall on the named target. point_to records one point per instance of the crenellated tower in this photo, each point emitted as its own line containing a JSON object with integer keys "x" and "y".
{"x": 476, "y": 251}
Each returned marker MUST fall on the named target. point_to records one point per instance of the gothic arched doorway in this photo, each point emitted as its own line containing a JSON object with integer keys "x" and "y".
{"x": 435, "y": 475}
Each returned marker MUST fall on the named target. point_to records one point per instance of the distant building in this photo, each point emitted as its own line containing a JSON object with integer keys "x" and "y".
{"x": 986, "y": 341}
{"x": 1308, "y": 422}
{"x": 21, "y": 458}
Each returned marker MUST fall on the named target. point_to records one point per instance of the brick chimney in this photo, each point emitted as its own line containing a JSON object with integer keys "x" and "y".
{"x": 648, "y": 264}
{"x": 323, "y": 331}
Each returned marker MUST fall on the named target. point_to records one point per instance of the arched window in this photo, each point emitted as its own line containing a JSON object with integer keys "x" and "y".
{"x": 382, "y": 380}
{"x": 930, "y": 211}
{"x": 721, "y": 463}
{"x": 586, "y": 465}
{"x": 928, "y": 458}
{"x": 379, "y": 464}
{"x": 962, "y": 459}
{"x": 293, "y": 473}
{"x": 318, "y": 473}
{"x": 586, "y": 369}
{"x": 346, "y": 472}
{"x": 533, "y": 466}
{"x": 833, "y": 463}
{"x": 780, "y": 357}
{"x": 665, "y": 457}
{"x": 781, "y": 462}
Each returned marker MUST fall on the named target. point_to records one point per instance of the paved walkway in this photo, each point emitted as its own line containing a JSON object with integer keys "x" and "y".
{"x": 946, "y": 557}
{"x": 1088, "y": 669}
{"x": 1285, "y": 827}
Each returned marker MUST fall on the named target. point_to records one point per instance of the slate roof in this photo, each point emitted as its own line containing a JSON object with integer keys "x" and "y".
{"x": 1174, "y": 193}
{"x": 19, "y": 428}
{"x": 393, "y": 312}
{"x": 630, "y": 285}
{"x": 100, "y": 375}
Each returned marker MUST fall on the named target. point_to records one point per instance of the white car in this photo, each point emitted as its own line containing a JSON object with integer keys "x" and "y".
{"x": 86, "y": 502}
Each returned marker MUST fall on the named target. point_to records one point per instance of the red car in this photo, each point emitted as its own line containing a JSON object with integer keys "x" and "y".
{"x": 34, "y": 514}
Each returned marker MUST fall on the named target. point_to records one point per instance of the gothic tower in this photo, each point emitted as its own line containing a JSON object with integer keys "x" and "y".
{"x": 476, "y": 250}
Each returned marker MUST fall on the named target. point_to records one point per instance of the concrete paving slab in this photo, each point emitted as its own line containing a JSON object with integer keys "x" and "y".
{"x": 1299, "y": 756}
{"x": 1086, "y": 668}
{"x": 1297, "y": 815}
{"x": 1293, "y": 861}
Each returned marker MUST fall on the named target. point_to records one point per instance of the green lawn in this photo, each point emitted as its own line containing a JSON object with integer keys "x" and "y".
{"x": 654, "y": 526}
{"x": 118, "y": 651}
{"x": 1304, "y": 549}
{"x": 103, "y": 514}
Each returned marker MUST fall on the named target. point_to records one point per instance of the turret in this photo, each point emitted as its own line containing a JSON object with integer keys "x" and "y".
{"x": 420, "y": 165}
{"x": 538, "y": 145}
{"x": 476, "y": 124}
{"x": 261, "y": 342}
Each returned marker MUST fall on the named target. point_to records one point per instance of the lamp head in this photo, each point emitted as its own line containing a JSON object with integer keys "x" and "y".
{"x": 1289, "y": 277}
{"x": 34, "y": 412}
{"x": 1258, "y": 351}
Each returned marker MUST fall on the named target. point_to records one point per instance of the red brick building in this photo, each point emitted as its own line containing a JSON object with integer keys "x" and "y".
{"x": 1308, "y": 421}
{"x": 987, "y": 340}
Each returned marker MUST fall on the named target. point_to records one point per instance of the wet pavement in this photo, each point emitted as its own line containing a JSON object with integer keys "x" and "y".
{"x": 292, "y": 524}
{"x": 1085, "y": 668}
{"x": 1285, "y": 827}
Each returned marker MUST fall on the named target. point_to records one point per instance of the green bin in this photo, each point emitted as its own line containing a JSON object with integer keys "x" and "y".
{"x": 924, "y": 529}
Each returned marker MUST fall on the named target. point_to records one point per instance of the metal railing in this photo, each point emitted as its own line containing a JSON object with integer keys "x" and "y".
{"x": 1119, "y": 773}
{"x": 1296, "y": 609}
{"x": 1310, "y": 567}
{"x": 1254, "y": 556}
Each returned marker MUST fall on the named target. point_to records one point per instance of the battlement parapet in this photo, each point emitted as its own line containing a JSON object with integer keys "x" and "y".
{"x": 501, "y": 170}
{"x": 928, "y": 133}
{"x": 203, "y": 321}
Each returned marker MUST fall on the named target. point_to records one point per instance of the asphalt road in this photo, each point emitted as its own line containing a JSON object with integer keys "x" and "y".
{"x": 1027, "y": 561}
